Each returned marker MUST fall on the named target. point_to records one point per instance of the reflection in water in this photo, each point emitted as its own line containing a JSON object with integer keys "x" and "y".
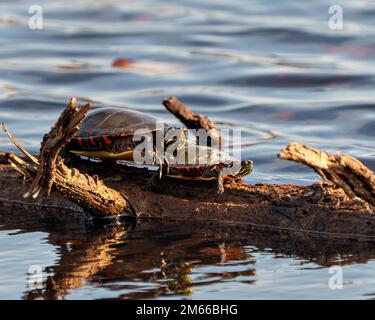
{"x": 149, "y": 259}
{"x": 178, "y": 273}
{"x": 79, "y": 261}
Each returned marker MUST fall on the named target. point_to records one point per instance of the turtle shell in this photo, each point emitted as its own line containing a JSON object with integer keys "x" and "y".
{"x": 198, "y": 155}
{"x": 116, "y": 122}
{"x": 197, "y": 159}
{"x": 107, "y": 133}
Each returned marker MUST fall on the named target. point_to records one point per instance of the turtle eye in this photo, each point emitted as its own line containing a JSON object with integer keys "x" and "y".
{"x": 246, "y": 163}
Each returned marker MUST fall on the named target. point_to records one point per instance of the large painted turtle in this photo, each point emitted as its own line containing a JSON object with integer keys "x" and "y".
{"x": 205, "y": 164}
{"x": 108, "y": 133}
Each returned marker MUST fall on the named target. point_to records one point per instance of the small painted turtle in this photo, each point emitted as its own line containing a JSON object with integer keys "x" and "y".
{"x": 207, "y": 164}
{"x": 108, "y": 133}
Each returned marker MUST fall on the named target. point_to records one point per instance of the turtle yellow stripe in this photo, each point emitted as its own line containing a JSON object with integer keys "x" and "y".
{"x": 182, "y": 177}
{"x": 102, "y": 154}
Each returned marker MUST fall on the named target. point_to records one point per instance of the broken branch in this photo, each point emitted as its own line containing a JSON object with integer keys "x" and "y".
{"x": 60, "y": 134}
{"x": 88, "y": 192}
{"x": 344, "y": 171}
{"x": 192, "y": 120}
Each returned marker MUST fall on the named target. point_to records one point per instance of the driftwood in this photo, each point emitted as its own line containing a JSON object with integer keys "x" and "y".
{"x": 89, "y": 192}
{"x": 344, "y": 171}
{"x": 192, "y": 120}
{"x": 325, "y": 209}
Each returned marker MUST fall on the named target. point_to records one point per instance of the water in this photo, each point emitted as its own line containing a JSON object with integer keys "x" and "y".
{"x": 279, "y": 73}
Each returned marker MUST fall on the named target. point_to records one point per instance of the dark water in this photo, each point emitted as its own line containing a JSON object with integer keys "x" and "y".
{"x": 279, "y": 73}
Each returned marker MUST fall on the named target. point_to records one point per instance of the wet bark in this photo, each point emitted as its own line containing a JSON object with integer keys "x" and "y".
{"x": 321, "y": 209}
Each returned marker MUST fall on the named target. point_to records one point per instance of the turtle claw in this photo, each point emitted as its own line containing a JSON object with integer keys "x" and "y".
{"x": 220, "y": 190}
{"x": 220, "y": 182}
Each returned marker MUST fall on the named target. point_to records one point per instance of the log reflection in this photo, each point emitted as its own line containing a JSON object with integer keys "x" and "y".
{"x": 154, "y": 258}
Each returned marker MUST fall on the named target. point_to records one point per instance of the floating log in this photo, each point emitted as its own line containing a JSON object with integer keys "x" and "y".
{"x": 321, "y": 209}
{"x": 325, "y": 209}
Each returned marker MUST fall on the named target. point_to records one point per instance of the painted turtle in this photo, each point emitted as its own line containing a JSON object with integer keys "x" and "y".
{"x": 108, "y": 133}
{"x": 204, "y": 164}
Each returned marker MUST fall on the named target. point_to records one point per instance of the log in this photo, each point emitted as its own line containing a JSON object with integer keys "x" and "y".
{"x": 321, "y": 209}
{"x": 324, "y": 209}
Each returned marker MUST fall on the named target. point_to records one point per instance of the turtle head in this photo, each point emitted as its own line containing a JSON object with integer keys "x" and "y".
{"x": 245, "y": 169}
{"x": 175, "y": 136}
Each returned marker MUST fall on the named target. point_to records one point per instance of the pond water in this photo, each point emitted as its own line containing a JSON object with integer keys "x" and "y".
{"x": 278, "y": 73}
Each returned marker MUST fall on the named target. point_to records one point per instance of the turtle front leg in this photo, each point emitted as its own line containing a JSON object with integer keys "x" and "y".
{"x": 220, "y": 182}
{"x": 216, "y": 172}
{"x": 156, "y": 177}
